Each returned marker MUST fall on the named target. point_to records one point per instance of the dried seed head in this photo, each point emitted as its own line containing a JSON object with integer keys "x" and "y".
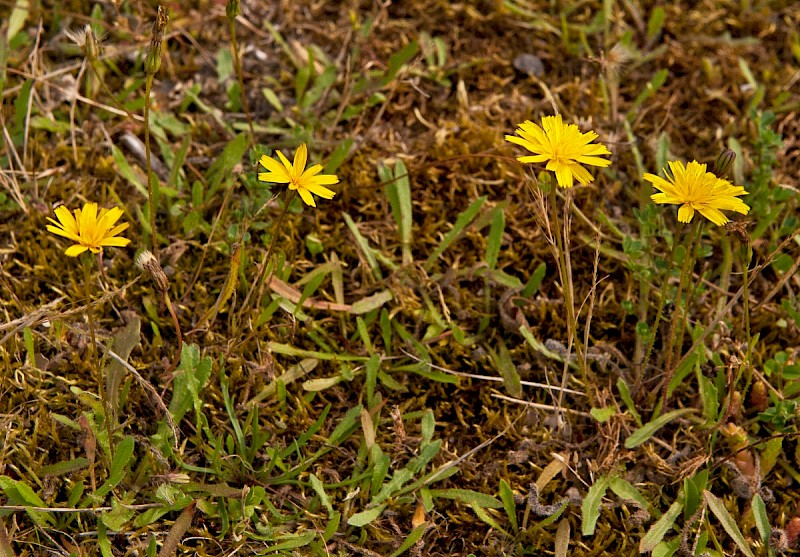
{"x": 147, "y": 262}
{"x": 153, "y": 60}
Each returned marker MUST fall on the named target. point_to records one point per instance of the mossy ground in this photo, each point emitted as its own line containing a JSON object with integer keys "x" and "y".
{"x": 709, "y": 75}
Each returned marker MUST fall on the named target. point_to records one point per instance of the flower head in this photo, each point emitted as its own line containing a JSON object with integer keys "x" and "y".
{"x": 305, "y": 181}
{"x": 563, "y": 147}
{"x": 695, "y": 189}
{"x": 88, "y": 229}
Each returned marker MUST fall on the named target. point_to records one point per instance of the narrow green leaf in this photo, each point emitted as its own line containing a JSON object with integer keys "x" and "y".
{"x": 363, "y": 246}
{"x": 366, "y": 305}
{"x": 662, "y": 526}
{"x": 17, "y": 18}
{"x": 590, "y": 508}
{"x": 412, "y": 538}
{"x": 292, "y": 541}
{"x": 461, "y": 223}
{"x": 494, "y": 241}
{"x": 507, "y": 497}
{"x": 316, "y": 484}
{"x": 65, "y": 467}
{"x": 656, "y": 23}
{"x": 625, "y": 490}
{"x": 645, "y": 432}
{"x": 717, "y": 507}
{"x": 535, "y": 281}
{"x": 359, "y": 520}
{"x": 346, "y": 426}
{"x": 761, "y": 519}
{"x": 625, "y": 394}
{"x": 468, "y": 496}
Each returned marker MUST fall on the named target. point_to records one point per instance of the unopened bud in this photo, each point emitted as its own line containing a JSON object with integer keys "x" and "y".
{"x": 724, "y": 162}
{"x": 153, "y": 60}
{"x": 147, "y": 262}
{"x": 232, "y": 9}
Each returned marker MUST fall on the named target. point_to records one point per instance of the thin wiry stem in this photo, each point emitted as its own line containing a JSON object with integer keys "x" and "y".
{"x": 661, "y": 300}
{"x": 237, "y": 65}
{"x": 686, "y": 271}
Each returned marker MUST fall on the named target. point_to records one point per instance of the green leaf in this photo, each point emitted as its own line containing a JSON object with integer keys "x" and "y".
{"x": 359, "y": 520}
{"x": 503, "y": 364}
{"x": 190, "y": 379}
{"x": 122, "y": 457}
{"x": 648, "y": 430}
{"x": 363, "y": 246}
{"x": 17, "y": 18}
{"x": 126, "y": 171}
{"x": 507, "y": 497}
{"x": 373, "y": 302}
{"x": 656, "y": 23}
{"x": 625, "y": 490}
{"x": 462, "y": 221}
{"x": 590, "y": 508}
{"x": 468, "y": 496}
{"x": 533, "y": 283}
{"x": 316, "y": 484}
{"x": 397, "y": 60}
{"x": 602, "y": 415}
{"x": 346, "y": 426}
{"x": 291, "y": 541}
{"x": 19, "y": 493}
{"x": 716, "y": 506}
{"x": 398, "y": 191}
{"x": 65, "y": 467}
{"x": 662, "y": 526}
{"x": 494, "y": 241}
{"x": 625, "y": 394}
{"x": 761, "y": 519}
{"x": 412, "y": 538}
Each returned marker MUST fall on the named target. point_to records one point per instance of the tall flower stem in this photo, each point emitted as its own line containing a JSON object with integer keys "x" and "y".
{"x": 151, "y": 65}
{"x": 565, "y": 273}
{"x": 686, "y": 272}
{"x": 231, "y": 11}
{"x": 88, "y": 281}
{"x": 661, "y": 300}
{"x": 257, "y": 286}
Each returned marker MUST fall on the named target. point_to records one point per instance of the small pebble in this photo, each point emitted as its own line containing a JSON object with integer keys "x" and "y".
{"x": 529, "y": 64}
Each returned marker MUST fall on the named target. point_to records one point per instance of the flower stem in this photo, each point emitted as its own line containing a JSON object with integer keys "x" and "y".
{"x": 565, "y": 274}
{"x": 661, "y": 300}
{"x": 150, "y": 195}
{"x": 237, "y": 65}
{"x": 261, "y": 278}
{"x": 88, "y": 281}
{"x": 686, "y": 271}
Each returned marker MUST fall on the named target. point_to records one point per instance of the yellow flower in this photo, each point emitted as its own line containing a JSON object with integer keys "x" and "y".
{"x": 90, "y": 231}
{"x": 304, "y": 181}
{"x": 694, "y": 189}
{"x": 563, "y": 147}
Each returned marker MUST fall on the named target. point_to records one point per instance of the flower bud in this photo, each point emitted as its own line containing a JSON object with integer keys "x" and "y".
{"x": 232, "y": 9}
{"x": 724, "y": 162}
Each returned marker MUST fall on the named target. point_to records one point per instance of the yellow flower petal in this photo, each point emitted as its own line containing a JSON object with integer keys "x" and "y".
{"x": 88, "y": 228}
{"x": 562, "y": 147}
{"x": 696, "y": 189}
{"x": 306, "y": 181}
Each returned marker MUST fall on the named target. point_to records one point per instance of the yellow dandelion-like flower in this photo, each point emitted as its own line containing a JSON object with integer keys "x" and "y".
{"x": 88, "y": 229}
{"x": 695, "y": 189}
{"x": 563, "y": 147}
{"x": 305, "y": 181}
